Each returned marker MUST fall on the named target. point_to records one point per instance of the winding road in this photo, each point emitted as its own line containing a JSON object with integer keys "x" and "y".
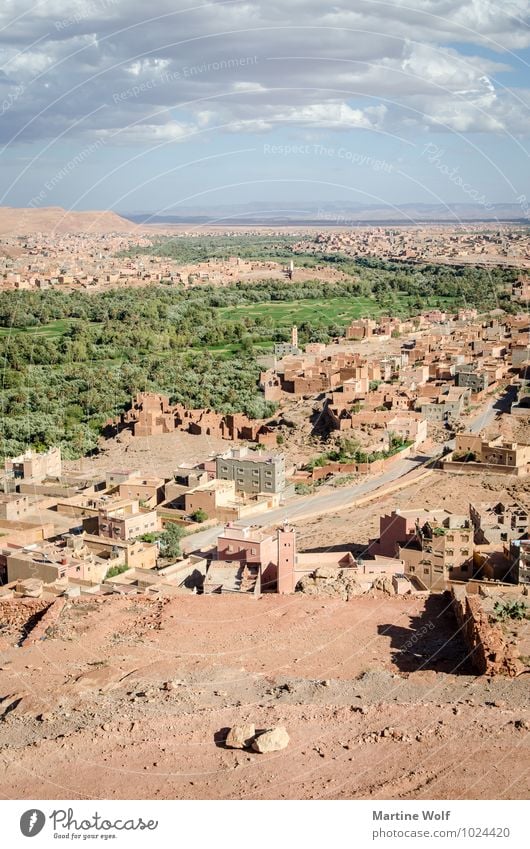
{"x": 307, "y": 506}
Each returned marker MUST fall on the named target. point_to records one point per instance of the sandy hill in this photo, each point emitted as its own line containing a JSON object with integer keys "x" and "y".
{"x": 54, "y": 219}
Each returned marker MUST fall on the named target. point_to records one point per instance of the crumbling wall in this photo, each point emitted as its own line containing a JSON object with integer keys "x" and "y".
{"x": 48, "y": 620}
{"x": 18, "y": 616}
{"x": 151, "y": 414}
{"x": 489, "y": 651}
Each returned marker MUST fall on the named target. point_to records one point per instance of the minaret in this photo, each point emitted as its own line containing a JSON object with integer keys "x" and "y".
{"x": 286, "y": 578}
{"x": 294, "y": 336}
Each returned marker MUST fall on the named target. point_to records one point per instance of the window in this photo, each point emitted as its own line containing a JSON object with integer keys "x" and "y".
{"x": 425, "y": 571}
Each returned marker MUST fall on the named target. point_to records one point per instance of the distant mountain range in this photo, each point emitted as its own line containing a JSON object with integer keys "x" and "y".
{"x": 339, "y": 214}
{"x": 54, "y": 219}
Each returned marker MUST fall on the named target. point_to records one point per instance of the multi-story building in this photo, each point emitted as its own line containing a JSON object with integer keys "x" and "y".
{"x": 446, "y": 405}
{"x": 439, "y": 551}
{"x": 498, "y": 523}
{"x": 13, "y": 506}
{"x": 470, "y": 376}
{"x": 252, "y": 472}
{"x": 520, "y": 561}
{"x": 126, "y": 521}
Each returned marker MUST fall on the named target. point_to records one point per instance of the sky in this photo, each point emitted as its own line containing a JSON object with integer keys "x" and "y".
{"x": 177, "y": 104}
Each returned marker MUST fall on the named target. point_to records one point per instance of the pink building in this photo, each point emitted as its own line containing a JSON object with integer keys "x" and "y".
{"x": 274, "y": 551}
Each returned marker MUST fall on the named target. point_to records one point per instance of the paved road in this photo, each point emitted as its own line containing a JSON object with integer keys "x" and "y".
{"x": 328, "y": 502}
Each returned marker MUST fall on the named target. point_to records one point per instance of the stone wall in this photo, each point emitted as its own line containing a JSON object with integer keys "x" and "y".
{"x": 489, "y": 652}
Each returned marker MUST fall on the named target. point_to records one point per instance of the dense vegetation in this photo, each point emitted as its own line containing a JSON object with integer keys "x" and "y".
{"x": 70, "y": 361}
{"x": 349, "y": 450}
{"x": 186, "y": 249}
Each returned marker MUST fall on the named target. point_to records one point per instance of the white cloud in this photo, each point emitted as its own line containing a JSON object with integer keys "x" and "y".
{"x": 250, "y": 67}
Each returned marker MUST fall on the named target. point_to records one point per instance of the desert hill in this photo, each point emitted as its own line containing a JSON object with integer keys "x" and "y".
{"x": 54, "y": 219}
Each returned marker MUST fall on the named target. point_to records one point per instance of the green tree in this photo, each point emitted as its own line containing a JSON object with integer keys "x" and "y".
{"x": 170, "y": 540}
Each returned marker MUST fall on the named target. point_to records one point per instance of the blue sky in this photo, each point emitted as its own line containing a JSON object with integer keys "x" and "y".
{"x": 116, "y": 104}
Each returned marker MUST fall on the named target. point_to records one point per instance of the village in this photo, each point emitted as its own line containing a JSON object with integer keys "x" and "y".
{"x": 97, "y": 260}
{"x": 442, "y": 397}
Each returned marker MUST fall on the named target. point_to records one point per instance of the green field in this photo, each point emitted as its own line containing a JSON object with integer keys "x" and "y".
{"x": 321, "y": 311}
{"x": 53, "y": 329}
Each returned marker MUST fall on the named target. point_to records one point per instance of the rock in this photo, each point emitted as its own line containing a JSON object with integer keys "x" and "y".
{"x": 241, "y": 736}
{"x": 271, "y": 741}
{"x": 326, "y": 683}
{"x": 325, "y": 573}
{"x": 25, "y": 704}
{"x": 522, "y": 724}
{"x": 331, "y": 583}
{"x": 384, "y": 584}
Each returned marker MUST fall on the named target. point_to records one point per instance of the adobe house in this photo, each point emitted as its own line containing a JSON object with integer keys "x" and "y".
{"x": 126, "y": 520}
{"x": 14, "y": 506}
{"x": 474, "y": 454}
{"x": 34, "y": 465}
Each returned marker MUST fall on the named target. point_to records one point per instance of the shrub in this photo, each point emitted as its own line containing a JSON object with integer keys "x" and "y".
{"x": 116, "y": 570}
{"x": 302, "y": 489}
{"x": 150, "y": 537}
{"x": 199, "y": 515}
{"x": 509, "y": 609}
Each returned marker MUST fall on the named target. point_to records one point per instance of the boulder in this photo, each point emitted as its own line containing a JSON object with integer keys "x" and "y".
{"x": 240, "y": 736}
{"x": 271, "y": 741}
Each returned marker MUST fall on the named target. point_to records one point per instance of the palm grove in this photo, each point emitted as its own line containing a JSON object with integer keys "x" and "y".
{"x": 71, "y": 360}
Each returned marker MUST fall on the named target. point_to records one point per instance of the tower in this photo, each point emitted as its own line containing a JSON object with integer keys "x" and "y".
{"x": 294, "y": 336}
{"x": 286, "y": 560}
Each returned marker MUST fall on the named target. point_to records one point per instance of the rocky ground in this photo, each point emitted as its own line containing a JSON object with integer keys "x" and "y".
{"x": 353, "y": 528}
{"x": 133, "y": 698}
